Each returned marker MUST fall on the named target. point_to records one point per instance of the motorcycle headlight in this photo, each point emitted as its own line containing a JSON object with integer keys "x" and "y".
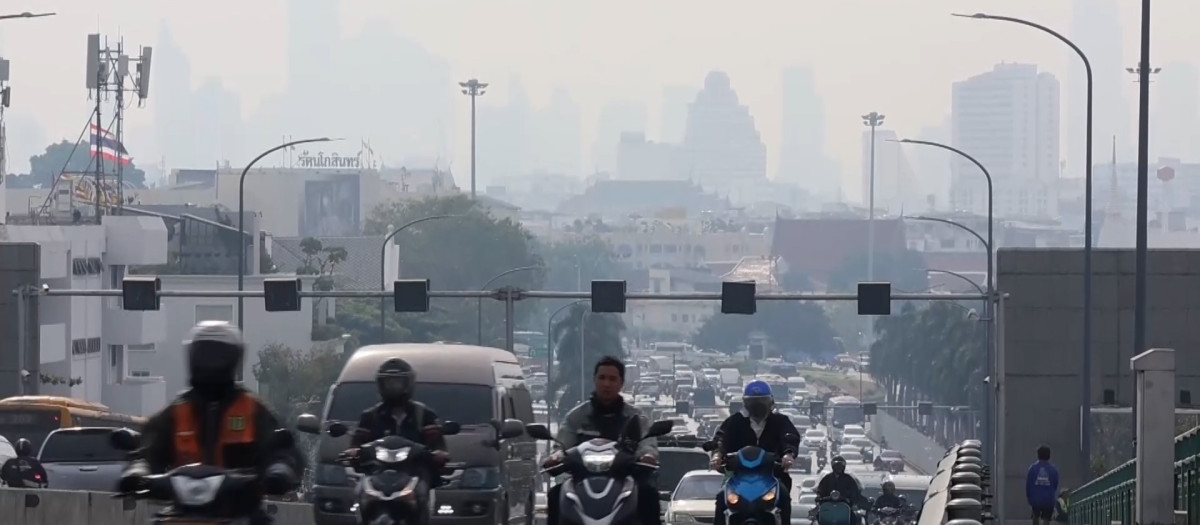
{"x": 732, "y": 498}
{"x": 769, "y": 496}
{"x": 387, "y": 455}
{"x": 599, "y": 461}
{"x": 193, "y": 492}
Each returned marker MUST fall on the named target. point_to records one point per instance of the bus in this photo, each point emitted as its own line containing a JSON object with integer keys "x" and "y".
{"x": 34, "y": 417}
{"x": 779, "y": 386}
{"x": 845, "y": 410}
{"x": 535, "y": 341}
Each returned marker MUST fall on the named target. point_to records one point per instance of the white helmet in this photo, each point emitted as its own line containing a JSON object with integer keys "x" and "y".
{"x": 214, "y": 353}
{"x": 216, "y": 332}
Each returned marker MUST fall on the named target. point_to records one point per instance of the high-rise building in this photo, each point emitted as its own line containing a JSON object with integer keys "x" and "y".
{"x": 556, "y": 136}
{"x": 1008, "y": 120}
{"x": 896, "y": 188}
{"x": 1176, "y": 118}
{"x": 802, "y": 158}
{"x": 641, "y": 159}
{"x": 313, "y": 40}
{"x": 722, "y": 146}
{"x": 1096, "y": 29}
{"x": 675, "y": 100}
{"x": 616, "y": 117}
{"x": 933, "y": 166}
{"x": 503, "y": 133}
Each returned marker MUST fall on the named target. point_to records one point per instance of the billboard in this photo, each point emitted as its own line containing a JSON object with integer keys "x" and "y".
{"x": 331, "y": 207}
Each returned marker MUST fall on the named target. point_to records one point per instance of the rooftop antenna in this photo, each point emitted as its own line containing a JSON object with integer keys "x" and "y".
{"x": 108, "y": 71}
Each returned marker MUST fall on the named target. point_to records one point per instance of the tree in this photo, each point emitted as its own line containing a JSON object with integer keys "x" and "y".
{"x": 575, "y": 262}
{"x": 461, "y": 252}
{"x": 906, "y": 271}
{"x": 934, "y": 353}
{"x": 293, "y": 382}
{"x": 320, "y": 260}
{"x": 790, "y": 326}
{"x": 67, "y": 156}
{"x": 601, "y": 336}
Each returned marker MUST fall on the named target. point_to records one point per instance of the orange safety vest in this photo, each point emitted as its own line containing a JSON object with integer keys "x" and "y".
{"x": 237, "y": 428}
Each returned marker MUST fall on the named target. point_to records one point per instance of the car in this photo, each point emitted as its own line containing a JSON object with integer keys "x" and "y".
{"x": 82, "y": 458}
{"x": 851, "y": 456}
{"x": 814, "y": 438}
{"x": 693, "y": 498}
{"x": 676, "y": 459}
{"x": 892, "y": 459}
{"x": 853, "y": 432}
{"x": 803, "y": 501}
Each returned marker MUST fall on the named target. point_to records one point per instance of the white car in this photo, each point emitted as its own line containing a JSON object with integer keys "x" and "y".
{"x": 853, "y": 432}
{"x": 814, "y": 438}
{"x": 692, "y": 500}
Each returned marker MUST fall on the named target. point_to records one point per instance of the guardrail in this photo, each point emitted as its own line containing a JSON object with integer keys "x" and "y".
{"x": 959, "y": 492}
{"x": 61, "y": 507}
{"x": 1110, "y": 497}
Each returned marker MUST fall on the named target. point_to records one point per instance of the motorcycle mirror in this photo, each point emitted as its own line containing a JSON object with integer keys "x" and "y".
{"x": 450, "y": 428}
{"x": 308, "y": 424}
{"x": 835, "y": 495}
{"x": 337, "y": 429}
{"x": 124, "y": 439}
{"x": 538, "y": 431}
{"x": 660, "y": 428}
{"x": 282, "y": 439}
{"x": 709, "y": 446}
{"x": 664, "y": 495}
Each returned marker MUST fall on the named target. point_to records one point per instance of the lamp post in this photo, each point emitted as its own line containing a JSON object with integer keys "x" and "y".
{"x": 473, "y": 88}
{"x": 1085, "y": 410}
{"x": 479, "y": 304}
{"x": 872, "y": 120}
{"x": 26, "y": 14}
{"x": 241, "y": 318}
{"x": 1143, "y": 182}
{"x": 968, "y": 280}
{"x": 383, "y": 266}
{"x": 550, "y": 346}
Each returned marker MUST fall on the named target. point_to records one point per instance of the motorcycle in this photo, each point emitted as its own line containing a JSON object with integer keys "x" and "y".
{"x": 602, "y": 488}
{"x": 752, "y": 489}
{"x": 889, "y": 516}
{"x": 201, "y": 494}
{"x": 391, "y": 489}
{"x": 834, "y": 510}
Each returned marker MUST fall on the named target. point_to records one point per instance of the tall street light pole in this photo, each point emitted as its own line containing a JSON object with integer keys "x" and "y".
{"x": 872, "y": 120}
{"x": 473, "y": 88}
{"x": 383, "y": 266}
{"x": 479, "y": 304}
{"x": 26, "y": 14}
{"x": 241, "y": 316}
{"x": 1139, "y": 311}
{"x": 1085, "y": 408}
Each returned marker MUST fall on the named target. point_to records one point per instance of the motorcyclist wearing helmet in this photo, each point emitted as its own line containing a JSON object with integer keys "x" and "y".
{"x": 888, "y": 498}
{"x": 756, "y": 424}
{"x": 23, "y": 470}
{"x": 398, "y": 414}
{"x": 216, "y": 422}
{"x": 605, "y": 416}
{"x": 838, "y": 480}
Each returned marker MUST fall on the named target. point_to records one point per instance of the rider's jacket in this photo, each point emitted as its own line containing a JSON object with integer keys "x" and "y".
{"x": 594, "y": 419}
{"x": 737, "y": 432}
{"x": 888, "y": 500}
{"x": 380, "y": 421}
{"x": 845, "y": 484}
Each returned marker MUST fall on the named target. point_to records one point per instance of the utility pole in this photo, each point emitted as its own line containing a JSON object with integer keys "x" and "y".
{"x": 872, "y": 120}
{"x": 473, "y": 88}
{"x": 1139, "y": 311}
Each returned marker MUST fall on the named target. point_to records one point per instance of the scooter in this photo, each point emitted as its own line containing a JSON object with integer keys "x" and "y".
{"x": 201, "y": 494}
{"x": 602, "y": 488}
{"x": 751, "y": 491}
{"x": 834, "y": 510}
{"x": 889, "y": 516}
{"x": 391, "y": 489}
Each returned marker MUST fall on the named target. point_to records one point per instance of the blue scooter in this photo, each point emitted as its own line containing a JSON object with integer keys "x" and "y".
{"x": 751, "y": 490}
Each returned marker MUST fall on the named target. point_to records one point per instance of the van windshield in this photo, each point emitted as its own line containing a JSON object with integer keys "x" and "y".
{"x": 88, "y": 445}
{"x": 461, "y": 403}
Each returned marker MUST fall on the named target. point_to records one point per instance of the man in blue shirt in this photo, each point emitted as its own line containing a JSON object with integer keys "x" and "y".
{"x": 1041, "y": 487}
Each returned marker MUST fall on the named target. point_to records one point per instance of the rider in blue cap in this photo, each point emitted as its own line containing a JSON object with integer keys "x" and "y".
{"x": 758, "y": 425}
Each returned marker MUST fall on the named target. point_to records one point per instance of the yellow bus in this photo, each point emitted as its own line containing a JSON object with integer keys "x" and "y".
{"x": 34, "y": 417}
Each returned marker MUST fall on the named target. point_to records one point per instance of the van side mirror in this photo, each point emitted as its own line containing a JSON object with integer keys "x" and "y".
{"x": 451, "y": 428}
{"x": 282, "y": 439}
{"x": 124, "y": 439}
{"x": 337, "y": 429}
{"x": 308, "y": 424}
{"x": 664, "y": 495}
{"x": 538, "y": 431}
{"x": 512, "y": 428}
{"x": 660, "y": 428}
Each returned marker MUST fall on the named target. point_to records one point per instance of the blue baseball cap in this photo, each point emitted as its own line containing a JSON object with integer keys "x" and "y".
{"x": 757, "y": 389}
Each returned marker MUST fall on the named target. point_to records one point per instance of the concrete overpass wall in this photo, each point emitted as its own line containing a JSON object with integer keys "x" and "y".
{"x": 1044, "y": 344}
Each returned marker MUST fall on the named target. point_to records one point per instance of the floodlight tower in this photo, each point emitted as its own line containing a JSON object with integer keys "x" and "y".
{"x": 108, "y": 72}
{"x": 473, "y": 88}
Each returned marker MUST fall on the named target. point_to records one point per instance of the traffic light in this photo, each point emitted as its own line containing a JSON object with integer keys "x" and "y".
{"x": 282, "y": 295}
{"x": 738, "y": 298}
{"x": 140, "y": 293}
{"x": 875, "y": 298}
{"x": 411, "y": 295}
{"x": 816, "y": 408}
{"x": 869, "y": 409}
{"x": 608, "y": 297}
{"x": 924, "y": 409}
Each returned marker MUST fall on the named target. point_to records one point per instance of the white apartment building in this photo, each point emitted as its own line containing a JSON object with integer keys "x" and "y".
{"x": 723, "y": 150}
{"x": 1008, "y": 119}
{"x": 88, "y": 337}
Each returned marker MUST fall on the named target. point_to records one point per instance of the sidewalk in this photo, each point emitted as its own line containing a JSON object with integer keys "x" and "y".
{"x": 919, "y": 449}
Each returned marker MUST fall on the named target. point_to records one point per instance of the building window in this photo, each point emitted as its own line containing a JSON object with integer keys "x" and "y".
{"x": 139, "y": 373}
{"x": 87, "y": 266}
{"x": 148, "y": 347}
{"x": 214, "y": 312}
{"x": 90, "y": 345}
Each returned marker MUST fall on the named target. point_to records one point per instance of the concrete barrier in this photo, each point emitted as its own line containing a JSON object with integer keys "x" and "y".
{"x": 60, "y": 507}
{"x": 959, "y": 491}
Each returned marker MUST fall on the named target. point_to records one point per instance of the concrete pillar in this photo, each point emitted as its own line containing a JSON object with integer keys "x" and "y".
{"x": 1155, "y": 503}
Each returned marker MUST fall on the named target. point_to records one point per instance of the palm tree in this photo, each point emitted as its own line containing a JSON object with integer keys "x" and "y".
{"x": 601, "y": 337}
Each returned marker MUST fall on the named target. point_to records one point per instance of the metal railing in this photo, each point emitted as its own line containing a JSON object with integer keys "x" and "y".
{"x": 959, "y": 490}
{"x": 1110, "y": 497}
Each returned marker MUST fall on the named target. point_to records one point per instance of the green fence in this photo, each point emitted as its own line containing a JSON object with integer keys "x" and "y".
{"x": 1109, "y": 498}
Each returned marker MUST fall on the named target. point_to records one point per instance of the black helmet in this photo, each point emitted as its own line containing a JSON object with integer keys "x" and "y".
{"x": 23, "y": 447}
{"x": 215, "y": 350}
{"x": 889, "y": 487}
{"x": 396, "y": 380}
{"x": 838, "y": 464}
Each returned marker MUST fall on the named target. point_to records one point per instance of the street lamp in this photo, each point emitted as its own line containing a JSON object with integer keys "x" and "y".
{"x": 479, "y": 305}
{"x": 872, "y": 120}
{"x": 960, "y": 276}
{"x": 383, "y": 266}
{"x": 242, "y": 218}
{"x": 1086, "y": 366}
{"x": 473, "y": 88}
{"x": 26, "y": 14}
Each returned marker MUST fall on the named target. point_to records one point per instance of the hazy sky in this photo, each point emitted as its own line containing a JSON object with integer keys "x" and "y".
{"x": 897, "y": 57}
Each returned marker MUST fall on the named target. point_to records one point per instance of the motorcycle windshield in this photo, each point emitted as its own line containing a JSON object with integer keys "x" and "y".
{"x": 833, "y": 513}
{"x": 751, "y": 486}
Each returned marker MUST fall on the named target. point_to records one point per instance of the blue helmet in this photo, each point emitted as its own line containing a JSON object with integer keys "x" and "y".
{"x": 757, "y": 399}
{"x": 757, "y": 388}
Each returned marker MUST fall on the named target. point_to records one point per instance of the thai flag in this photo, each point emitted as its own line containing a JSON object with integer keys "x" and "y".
{"x": 107, "y": 145}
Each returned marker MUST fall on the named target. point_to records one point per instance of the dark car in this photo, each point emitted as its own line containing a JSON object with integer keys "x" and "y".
{"x": 891, "y": 460}
{"x": 678, "y": 456}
